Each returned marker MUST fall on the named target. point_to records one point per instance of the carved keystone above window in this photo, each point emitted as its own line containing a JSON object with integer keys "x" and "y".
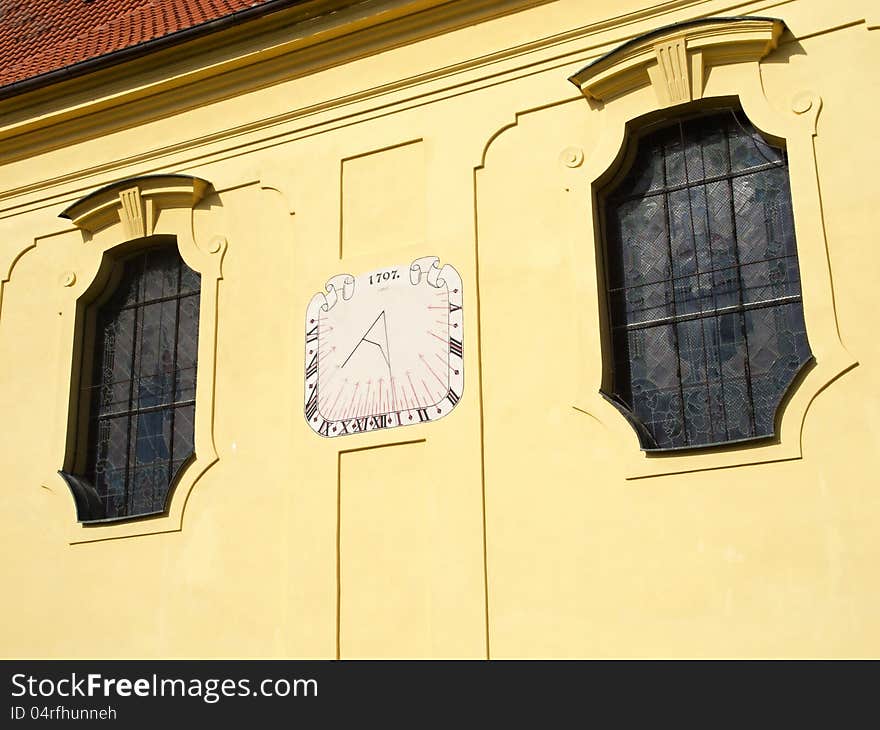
{"x": 674, "y": 59}
{"x": 135, "y": 203}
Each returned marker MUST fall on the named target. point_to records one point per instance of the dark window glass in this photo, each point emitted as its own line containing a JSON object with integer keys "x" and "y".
{"x": 707, "y": 323}
{"x": 141, "y": 391}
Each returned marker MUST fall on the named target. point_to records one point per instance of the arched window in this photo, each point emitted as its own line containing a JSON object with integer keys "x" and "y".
{"x": 137, "y": 398}
{"x": 704, "y": 295}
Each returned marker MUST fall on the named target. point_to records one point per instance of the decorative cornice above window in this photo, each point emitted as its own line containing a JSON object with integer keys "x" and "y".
{"x": 673, "y": 59}
{"x": 135, "y": 203}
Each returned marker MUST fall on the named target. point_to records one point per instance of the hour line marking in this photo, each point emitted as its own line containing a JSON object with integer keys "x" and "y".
{"x": 333, "y": 407}
{"x": 324, "y": 383}
{"x": 322, "y": 408}
{"x": 439, "y": 379}
{"x": 428, "y": 391}
{"x": 353, "y": 395}
{"x": 445, "y": 342}
{"x": 413, "y": 387}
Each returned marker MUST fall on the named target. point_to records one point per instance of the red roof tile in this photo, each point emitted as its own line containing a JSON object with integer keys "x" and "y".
{"x": 40, "y": 36}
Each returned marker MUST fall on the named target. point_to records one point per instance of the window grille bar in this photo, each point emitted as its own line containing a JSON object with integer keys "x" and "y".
{"x": 98, "y": 386}
{"x": 747, "y": 360}
{"x": 138, "y": 313}
{"x": 675, "y": 338}
{"x": 716, "y": 330}
{"x": 174, "y": 375}
{"x": 684, "y": 277}
{"x": 721, "y": 177}
{"x": 684, "y": 154}
{"x": 718, "y": 312}
{"x": 146, "y": 409}
{"x": 159, "y": 300}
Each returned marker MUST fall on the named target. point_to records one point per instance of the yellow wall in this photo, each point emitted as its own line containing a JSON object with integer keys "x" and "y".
{"x": 527, "y": 523}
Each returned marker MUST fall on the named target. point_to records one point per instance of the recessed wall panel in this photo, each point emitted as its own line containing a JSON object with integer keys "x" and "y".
{"x": 383, "y": 199}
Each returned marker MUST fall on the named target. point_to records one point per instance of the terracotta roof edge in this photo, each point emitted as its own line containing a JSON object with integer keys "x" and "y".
{"x": 96, "y": 63}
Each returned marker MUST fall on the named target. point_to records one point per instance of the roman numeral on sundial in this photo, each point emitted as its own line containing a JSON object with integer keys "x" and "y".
{"x": 312, "y": 405}
{"x": 312, "y": 369}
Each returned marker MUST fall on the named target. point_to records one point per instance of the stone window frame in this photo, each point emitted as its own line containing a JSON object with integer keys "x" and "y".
{"x": 112, "y": 219}
{"x": 706, "y": 63}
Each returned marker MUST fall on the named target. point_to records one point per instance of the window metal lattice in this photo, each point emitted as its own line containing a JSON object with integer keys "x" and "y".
{"x": 141, "y": 395}
{"x": 703, "y": 284}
